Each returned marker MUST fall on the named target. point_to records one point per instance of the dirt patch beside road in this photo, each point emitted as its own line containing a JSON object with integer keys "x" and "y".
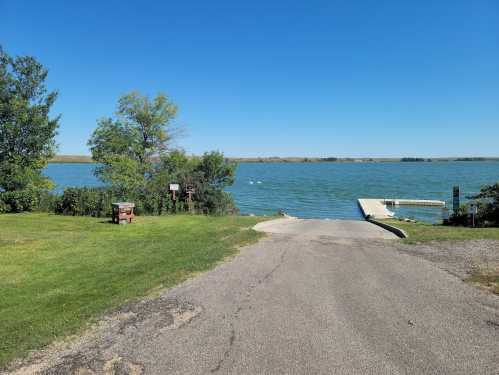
{"x": 473, "y": 260}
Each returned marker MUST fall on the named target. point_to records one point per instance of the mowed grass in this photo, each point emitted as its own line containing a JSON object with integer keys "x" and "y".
{"x": 421, "y": 232}
{"x": 58, "y": 273}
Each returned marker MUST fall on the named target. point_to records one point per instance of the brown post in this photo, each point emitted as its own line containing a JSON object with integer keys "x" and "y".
{"x": 190, "y": 191}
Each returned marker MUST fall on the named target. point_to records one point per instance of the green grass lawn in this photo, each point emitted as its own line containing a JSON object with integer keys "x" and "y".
{"x": 421, "y": 232}
{"x": 58, "y": 273}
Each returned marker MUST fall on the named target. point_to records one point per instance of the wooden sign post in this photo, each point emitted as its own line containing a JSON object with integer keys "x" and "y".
{"x": 190, "y": 190}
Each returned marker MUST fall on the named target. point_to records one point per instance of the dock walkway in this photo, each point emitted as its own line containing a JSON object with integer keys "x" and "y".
{"x": 376, "y": 208}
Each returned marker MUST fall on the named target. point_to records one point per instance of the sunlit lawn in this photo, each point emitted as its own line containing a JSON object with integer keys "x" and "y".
{"x": 57, "y": 272}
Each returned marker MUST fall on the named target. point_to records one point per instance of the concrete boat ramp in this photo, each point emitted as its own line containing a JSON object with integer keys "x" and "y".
{"x": 372, "y": 209}
{"x": 309, "y": 228}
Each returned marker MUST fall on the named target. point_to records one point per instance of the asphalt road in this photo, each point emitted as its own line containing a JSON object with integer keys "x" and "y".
{"x": 317, "y": 302}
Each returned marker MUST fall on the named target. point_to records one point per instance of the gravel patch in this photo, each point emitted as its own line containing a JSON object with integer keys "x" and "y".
{"x": 460, "y": 258}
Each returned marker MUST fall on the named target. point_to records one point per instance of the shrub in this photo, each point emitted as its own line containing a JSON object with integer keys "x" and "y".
{"x": 19, "y": 200}
{"x": 459, "y": 217}
{"x": 84, "y": 202}
{"x": 207, "y": 175}
{"x": 488, "y": 208}
{"x": 46, "y": 201}
{"x": 3, "y": 207}
{"x": 214, "y": 202}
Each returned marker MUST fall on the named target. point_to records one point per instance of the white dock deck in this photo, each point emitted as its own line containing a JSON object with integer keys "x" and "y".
{"x": 376, "y": 208}
{"x": 413, "y": 202}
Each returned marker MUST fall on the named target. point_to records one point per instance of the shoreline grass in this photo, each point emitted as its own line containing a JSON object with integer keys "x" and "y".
{"x": 58, "y": 273}
{"x": 423, "y": 232}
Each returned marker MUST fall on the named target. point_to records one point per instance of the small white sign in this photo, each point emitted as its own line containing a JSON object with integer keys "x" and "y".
{"x": 472, "y": 208}
{"x": 174, "y": 187}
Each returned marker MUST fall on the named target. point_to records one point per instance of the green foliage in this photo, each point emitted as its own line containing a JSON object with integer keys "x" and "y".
{"x": 26, "y": 131}
{"x": 85, "y": 202}
{"x": 126, "y": 146}
{"x": 488, "y": 208}
{"x": 217, "y": 172}
{"x": 207, "y": 175}
{"x": 460, "y": 216}
{"x": 138, "y": 166}
{"x": 215, "y": 202}
{"x": 46, "y": 201}
{"x": 19, "y": 200}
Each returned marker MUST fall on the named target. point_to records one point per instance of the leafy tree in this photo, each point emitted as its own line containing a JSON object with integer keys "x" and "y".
{"x": 127, "y": 146}
{"x": 217, "y": 171}
{"x": 136, "y": 162}
{"x": 27, "y": 133}
{"x": 215, "y": 174}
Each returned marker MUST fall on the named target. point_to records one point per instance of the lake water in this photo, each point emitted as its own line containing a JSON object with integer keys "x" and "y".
{"x": 330, "y": 190}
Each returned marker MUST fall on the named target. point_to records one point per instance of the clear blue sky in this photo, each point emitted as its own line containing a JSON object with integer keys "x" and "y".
{"x": 290, "y": 78}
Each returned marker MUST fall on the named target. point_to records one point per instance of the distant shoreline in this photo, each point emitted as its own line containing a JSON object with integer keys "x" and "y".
{"x": 88, "y": 159}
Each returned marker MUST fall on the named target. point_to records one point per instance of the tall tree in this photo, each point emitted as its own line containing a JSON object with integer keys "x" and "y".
{"x": 126, "y": 146}
{"x": 27, "y": 133}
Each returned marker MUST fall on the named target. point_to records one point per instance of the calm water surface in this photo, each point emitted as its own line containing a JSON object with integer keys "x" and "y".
{"x": 330, "y": 190}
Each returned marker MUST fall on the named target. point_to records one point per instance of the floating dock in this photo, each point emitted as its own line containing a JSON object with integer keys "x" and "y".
{"x": 413, "y": 202}
{"x": 376, "y": 208}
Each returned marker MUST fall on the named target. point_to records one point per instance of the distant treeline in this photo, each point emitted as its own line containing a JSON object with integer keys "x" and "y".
{"x": 277, "y": 159}
{"x": 448, "y": 159}
{"x": 472, "y": 159}
{"x": 414, "y": 160}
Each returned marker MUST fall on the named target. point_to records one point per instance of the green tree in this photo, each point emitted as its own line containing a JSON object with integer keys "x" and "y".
{"x": 135, "y": 160}
{"x": 27, "y": 133}
{"x": 215, "y": 174}
{"x": 127, "y": 146}
{"x": 217, "y": 171}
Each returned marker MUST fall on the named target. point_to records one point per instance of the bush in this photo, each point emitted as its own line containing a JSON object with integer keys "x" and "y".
{"x": 19, "y": 200}
{"x": 84, "y": 202}
{"x": 3, "y": 207}
{"x": 214, "y": 202}
{"x": 46, "y": 201}
{"x": 97, "y": 202}
{"x": 488, "y": 208}
{"x": 459, "y": 217}
{"x": 207, "y": 175}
